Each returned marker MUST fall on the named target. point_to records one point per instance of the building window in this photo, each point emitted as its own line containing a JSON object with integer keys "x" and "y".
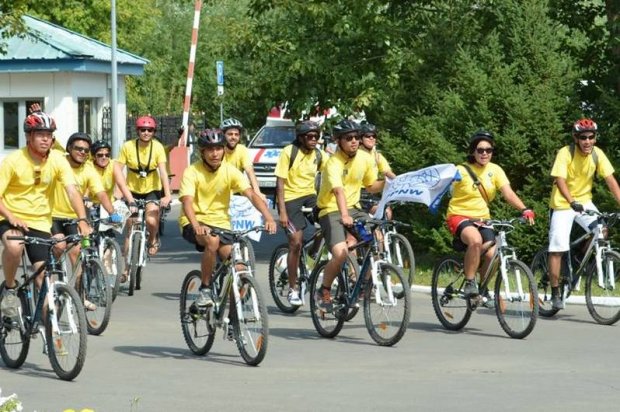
{"x": 86, "y": 112}
{"x": 13, "y": 113}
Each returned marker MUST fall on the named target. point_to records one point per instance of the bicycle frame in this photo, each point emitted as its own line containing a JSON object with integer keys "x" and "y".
{"x": 138, "y": 228}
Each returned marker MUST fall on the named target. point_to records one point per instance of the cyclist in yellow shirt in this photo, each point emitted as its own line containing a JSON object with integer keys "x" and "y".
{"x": 469, "y": 205}
{"x": 147, "y": 177}
{"x": 238, "y": 154}
{"x": 101, "y": 159}
{"x": 206, "y": 188}
{"x": 573, "y": 172}
{"x": 27, "y": 177}
{"x": 346, "y": 172}
{"x": 295, "y": 188}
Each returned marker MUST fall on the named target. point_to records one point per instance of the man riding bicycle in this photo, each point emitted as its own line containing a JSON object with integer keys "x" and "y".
{"x": 346, "y": 172}
{"x": 469, "y": 206}
{"x": 573, "y": 172}
{"x": 206, "y": 188}
{"x": 295, "y": 188}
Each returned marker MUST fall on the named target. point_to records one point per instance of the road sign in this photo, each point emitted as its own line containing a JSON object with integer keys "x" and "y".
{"x": 219, "y": 66}
{"x": 220, "y": 90}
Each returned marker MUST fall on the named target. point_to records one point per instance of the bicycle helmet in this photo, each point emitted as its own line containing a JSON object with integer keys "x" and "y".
{"x": 98, "y": 145}
{"x": 231, "y": 123}
{"x": 345, "y": 126}
{"x": 584, "y": 125}
{"x": 78, "y": 136}
{"x": 307, "y": 126}
{"x": 39, "y": 121}
{"x": 210, "y": 138}
{"x": 146, "y": 122}
{"x": 369, "y": 128}
{"x": 478, "y": 137}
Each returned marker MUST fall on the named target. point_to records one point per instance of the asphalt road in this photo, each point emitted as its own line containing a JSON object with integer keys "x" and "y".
{"x": 141, "y": 362}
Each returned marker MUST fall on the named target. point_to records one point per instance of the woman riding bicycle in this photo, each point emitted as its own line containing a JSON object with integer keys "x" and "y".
{"x": 469, "y": 205}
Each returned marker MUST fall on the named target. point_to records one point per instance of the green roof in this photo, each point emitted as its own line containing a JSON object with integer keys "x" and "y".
{"x": 47, "y": 47}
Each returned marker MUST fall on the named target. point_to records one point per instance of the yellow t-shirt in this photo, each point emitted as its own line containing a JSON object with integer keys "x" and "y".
{"x": 466, "y": 197}
{"x": 578, "y": 171}
{"x": 129, "y": 157}
{"x": 211, "y": 192}
{"x": 379, "y": 160}
{"x": 107, "y": 179}
{"x": 26, "y": 187}
{"x": 87, "y": 180}
{"x": 299, "y": 178}
{"x": 239, "y": 158}
{"x": 351, "y": 174}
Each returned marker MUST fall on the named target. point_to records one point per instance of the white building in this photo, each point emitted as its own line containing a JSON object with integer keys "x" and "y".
{"x": 69, "y": 75}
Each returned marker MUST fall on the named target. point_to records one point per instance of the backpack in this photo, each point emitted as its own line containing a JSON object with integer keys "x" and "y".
{"x": 319, "y": 160}
{"x": 571, "y": 148}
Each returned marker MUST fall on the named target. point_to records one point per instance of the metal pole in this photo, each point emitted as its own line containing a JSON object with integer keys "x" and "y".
{"x": 190, "y": 77}
{"x": 116, "y": 145}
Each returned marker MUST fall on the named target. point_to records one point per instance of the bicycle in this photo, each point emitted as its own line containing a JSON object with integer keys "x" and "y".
{"x": 599, "y": 265}
{"x": 137, "y": 252}
{"x": 93, "y": 285}
{"x": 163, "y": 212}
{"x": 109, "y": 251}
{"x": 515, "y": 296}
{"x": 234, "y": 286}
{"x": 55, "y": 311}
{"x": 383, "y": 286}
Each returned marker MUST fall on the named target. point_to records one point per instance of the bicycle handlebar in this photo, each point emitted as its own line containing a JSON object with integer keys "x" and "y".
{"x": 32, "y": 240}
{"x": 236, "y": 233}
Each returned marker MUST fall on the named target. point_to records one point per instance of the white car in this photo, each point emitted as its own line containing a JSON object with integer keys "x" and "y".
{"x": 265, "y": 148}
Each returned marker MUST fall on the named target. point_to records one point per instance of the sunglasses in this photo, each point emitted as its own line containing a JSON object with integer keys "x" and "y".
{"x": 312, "y": 136}
{"x": 102, "y": 155}
{"x": 81, "y": 149}
{"x": 583, "y": 138}
{"x": 37, "y": 176}
{"x": 349, "y": 138}
{"x": 146, "y": 130}
{"x": 481, "y": 150}
{"x": 370, "y": 136}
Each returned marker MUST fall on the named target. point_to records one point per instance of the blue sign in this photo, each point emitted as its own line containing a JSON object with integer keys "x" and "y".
{"x": 219, "y": 66}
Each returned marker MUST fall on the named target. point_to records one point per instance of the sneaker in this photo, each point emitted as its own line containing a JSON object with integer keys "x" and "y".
{"x": 471, "y": 288}
{"x": 556, "y": 302}
{"x": 9, "y": 303}
{"x": 324, "y": 299}
{"x": 293, "y": 298}
{"x": 89, "y": 306}
{"x": 204, "y": 297}
{"x": 230, "y": 333}
{"x": 488, "y": 301}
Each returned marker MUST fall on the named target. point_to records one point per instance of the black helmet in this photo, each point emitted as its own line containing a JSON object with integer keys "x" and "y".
{"x": 307, "y": 126}
{"x": 98, "y": 145}
{"x": 78, "y": 136}
{"x": 210, "y": 138}
{"x": 345, "y": 126}
{"x": 479, "y": 136}
{"x": 369, "y": 128}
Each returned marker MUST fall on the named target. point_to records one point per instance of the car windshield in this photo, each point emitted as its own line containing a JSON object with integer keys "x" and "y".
{"x": 273, "y": 137}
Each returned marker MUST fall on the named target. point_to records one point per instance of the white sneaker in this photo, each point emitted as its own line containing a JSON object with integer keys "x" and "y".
{"x": 9, "y": 304}
{"x": 204, "y": 297}
{"x": 293, "y": 298}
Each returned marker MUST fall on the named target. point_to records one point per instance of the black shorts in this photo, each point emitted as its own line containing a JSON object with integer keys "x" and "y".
{"x": 154, "y": 195}
{"x": 293, "y": 210}
{"x": 333, "y": 229}
{"x": 189, "y": 234}
{"x": 60, "y": 226}
{"x": 486, "y": 232}
{"x": 36, "y": 253}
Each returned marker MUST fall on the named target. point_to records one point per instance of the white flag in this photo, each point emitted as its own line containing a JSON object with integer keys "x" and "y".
{"x": 243, "y": 216}
{"x": 426, "y": 186}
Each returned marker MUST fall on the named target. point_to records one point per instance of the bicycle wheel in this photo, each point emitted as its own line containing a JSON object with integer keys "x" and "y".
{"x": 386, "y": 311}
{"x": 197, "y": 333}
{"x": 96, "y": 290}
{"x": 66, "y": 347}
{"x": 247, "y": 253}
{"x": 134, "y": 263}
{"x": 516, "y": 299}
{"x": 603, "y": 292}
{"x": 278, "y": 279}
{"x": 112, "y": 259}
{"x": 449, "y": 303}
{"x": 327, "y": 322}
{"x": 13, "y": 343}
{"x": 251, "y": 333}
{"x": 401, "y": 255}
{"x": 540, "y": 271}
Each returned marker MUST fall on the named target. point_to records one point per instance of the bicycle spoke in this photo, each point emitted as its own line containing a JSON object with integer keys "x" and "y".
{"x": 194, "y": 320}
{"x": 251, "y": 325}
{"x": 516, "y": 299}
{"x": 449, "y": 303}
{"x": 603, "y": 290}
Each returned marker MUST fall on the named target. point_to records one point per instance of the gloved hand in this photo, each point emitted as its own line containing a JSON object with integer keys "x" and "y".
{"x": 577, "y": 207}
{"x": 116, "y": 218}
{"x": 528, "y": 214}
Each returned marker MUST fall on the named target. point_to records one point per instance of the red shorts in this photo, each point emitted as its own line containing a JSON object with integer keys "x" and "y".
{"x": 454, "y": 222}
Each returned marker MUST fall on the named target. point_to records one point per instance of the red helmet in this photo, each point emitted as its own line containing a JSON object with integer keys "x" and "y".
{"x": 39, "y": 121}
{"x": 584, "y": 125}
{"x": 146, "y": 122}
